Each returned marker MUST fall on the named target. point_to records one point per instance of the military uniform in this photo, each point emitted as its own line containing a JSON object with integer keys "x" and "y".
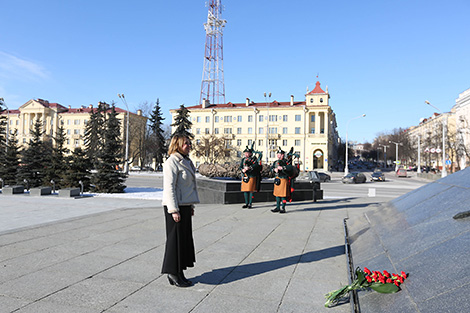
{"x": 281, "y": 182}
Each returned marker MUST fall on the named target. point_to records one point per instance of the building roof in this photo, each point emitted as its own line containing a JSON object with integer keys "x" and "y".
{"x": 252, "y": 104}
{"x": 317, "y": 89}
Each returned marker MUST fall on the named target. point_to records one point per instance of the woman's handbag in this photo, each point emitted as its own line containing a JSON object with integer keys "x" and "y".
{"x": 277, "y": 181}
{"x": 246, "y": 179}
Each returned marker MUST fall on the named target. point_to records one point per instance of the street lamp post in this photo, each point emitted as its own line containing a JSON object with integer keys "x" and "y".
{"x": 267, "y": 125}
{"x": 419, "y": 154}
{"x": 385, "y": 153}
{"x": 444, "y": 170}
{"x": 126, "y": 164}
{"x": 346, "y": 168}
{"x": 396, "y": 153}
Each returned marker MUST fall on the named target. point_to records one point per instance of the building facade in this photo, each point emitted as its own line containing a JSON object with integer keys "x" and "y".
{"x": 308, "y": 126}
{"x": 461, "y": 116}
{"x": 73, "y": 120}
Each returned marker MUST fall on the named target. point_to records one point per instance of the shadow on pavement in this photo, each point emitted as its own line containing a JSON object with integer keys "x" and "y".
{"x": 230, "y": 274}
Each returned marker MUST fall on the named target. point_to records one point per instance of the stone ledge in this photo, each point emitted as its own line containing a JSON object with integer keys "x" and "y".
{"x": 11, "y": 190}
{"x": 40, "y": 191}
{"x": 69, "y": 192}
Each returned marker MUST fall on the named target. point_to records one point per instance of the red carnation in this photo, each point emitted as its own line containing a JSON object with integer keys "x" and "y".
{"x": 389, "y": 280}
{"x": 386, "y": 274}
{"x": 367, "y": 271}
{"x": 369, "y": 279}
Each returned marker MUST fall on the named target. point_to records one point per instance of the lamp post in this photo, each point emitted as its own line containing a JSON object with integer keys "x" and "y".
{"x": 385, "y": 153}
{"x": 346, "y": 168}
{"x": 444, "y": 170}
{"x": 126, "y": 164}
{"x": 396, "y": 153}
{"x": 419, "y": 154}
{"x": 267, "y": 125}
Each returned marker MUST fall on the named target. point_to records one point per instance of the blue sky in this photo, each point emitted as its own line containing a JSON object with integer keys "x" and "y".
{"x": 381, "y": 58}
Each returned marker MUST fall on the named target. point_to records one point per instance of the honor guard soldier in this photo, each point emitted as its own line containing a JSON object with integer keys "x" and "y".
{"x": 250, "y": 174}
{"x": 281, "y": 181}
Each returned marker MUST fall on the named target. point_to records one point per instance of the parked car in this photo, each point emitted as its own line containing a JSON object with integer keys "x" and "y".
{"x": 135, "y": 168}
{"x": 311, "y": 176}
{"x": 354, "y": 178}
{"x": 377, "y": 176}
{"x": 401, "y": 172}
{"x": 324, "y": 177}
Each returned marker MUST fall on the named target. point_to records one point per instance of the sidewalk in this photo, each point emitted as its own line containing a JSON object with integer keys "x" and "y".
{"x": 110, "y": 260}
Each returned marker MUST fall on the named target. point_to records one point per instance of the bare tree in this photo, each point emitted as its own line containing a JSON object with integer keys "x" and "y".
{"x": 213, "y": 149}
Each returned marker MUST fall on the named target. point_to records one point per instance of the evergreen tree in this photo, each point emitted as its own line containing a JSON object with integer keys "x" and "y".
{"x": 57, "y": 166}
{"x": 182, "y": 122}
{"x": 77, "y": 169}
{"x": 157, "y": 132}
{"x": 11, "y": 163}
{"x": 3, "y": 132}
{"x": 94, "y": 133}
{"x": 34, "y": 158}
{"x": 108, "y": 178}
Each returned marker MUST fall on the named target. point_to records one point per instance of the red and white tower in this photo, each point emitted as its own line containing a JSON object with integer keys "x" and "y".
{"x": 212, "y": 87}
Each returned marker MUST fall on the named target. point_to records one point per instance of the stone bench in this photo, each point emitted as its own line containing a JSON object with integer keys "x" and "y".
{"x": 40, "y": 191}
{"x": 11, "y": 190}
{"x": 69, "y": 192}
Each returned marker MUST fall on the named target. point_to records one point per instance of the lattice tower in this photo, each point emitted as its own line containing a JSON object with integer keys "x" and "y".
{"x": 213, "y": 87}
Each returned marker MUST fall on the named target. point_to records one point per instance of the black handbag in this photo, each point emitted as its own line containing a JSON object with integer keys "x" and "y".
{"x": 277, "y": 181}
{"x": 246, "y": 179}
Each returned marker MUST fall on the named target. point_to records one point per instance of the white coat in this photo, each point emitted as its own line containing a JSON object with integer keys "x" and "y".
{"x": 179, "y": 182}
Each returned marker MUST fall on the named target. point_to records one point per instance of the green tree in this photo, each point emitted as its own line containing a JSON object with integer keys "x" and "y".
{"x": 108, "y": 178}
{"x": 77, "y": 169}
{"x": 56, "y": 168}
{"x": 159, "y": 141}
{"x": 11, "y": 163}
{"x": 3, "y": 125}
{"x": 182, "y": 122}
{"x": 35, "y": 158}
{"x": 93, "y": 136}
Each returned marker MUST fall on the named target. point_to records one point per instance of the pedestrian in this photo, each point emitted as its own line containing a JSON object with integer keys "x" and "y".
{"x": 250, "y": 172}
{"x": 179, "y": 197}
{"x": 281, "y": 182}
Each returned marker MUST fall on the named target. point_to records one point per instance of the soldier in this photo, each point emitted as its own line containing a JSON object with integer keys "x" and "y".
{"x": 250, "y": 174}
{"x": 281, "y": 181}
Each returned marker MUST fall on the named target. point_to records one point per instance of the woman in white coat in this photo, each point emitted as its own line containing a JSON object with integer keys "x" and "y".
{"x": 179, "y": 196}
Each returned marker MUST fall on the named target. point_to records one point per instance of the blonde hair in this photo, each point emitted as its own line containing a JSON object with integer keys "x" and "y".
{"x": 176, "y": 144}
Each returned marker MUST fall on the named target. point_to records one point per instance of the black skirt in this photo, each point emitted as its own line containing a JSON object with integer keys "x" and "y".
{"x": 179, "y": 248}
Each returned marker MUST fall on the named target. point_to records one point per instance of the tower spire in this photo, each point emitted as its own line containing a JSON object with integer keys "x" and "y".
{"x": 212, "y": 87}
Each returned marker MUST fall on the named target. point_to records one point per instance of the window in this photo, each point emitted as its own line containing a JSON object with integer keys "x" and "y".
{"x": 273, "y": 143}
{"x": 272, "y": 154}
{"x": 273, "y": 118}
{"x": 216, "y": 119}
{"x": 322, "y": 131}
{"x": 68, "y": 141}
{"x": 227, "y": 119}
{"x": 297, "y": 142}
{"x": 198, "y": 131}
{"x": 239, "y": 154}
{"x": 69, "y": 131}
{"x": 312, "y": 118}
{"x": 297, "y": 130}
{"x": 52, "y": 121}
{"x": 239, "y": 118}
{"x": 68, "y": 122}
{"x": 312, "y": 130}
{"x": 198, "y": 141}
{"x": 85, "y": 122}
{"x": 208, "y": 119}
{"x": 216, "y": 131}
{"x": 284, "y": 142}
{"x": 298, "y": 118}
{"x": 260, "y": 142}
{"x": 207, "y": 131}
{"x": 76, "y": 131}
{"x": 239, "y": 130}
{"x": 227, "y": 130}
{"x": 284, "y": 130}
{"x": 321, "y": 100}
{"x": 77, "y": 142}
{"x": 284, "y": 118}
{"x": 17, "y": 122}
{"x": 250, "y": 142}
{"x": 273, "y": 130}
{"x": 239, "y": 142}
{"x": 250, "y": 130}
{"x": 261, "y": 118}
{"x": 311, "y": 100}
{"x": 261, "y": 130}
{"x": 250, "y": 118}
{"x": 198, "y": 119}
{"x": 228, "y": 144}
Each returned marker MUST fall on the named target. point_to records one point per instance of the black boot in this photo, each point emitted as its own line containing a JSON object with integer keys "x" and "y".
{"x": 185, "y": 279}
{"x": 245, "y": 206}
{"x": 275, "y": 210}
{"x": 177, "y": 281}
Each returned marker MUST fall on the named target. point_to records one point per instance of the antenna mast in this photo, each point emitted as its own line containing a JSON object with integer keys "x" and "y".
{"x": 212, "y": 87}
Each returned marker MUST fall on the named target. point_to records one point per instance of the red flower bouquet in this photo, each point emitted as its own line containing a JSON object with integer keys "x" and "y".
{"x": 382, "y": 282}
